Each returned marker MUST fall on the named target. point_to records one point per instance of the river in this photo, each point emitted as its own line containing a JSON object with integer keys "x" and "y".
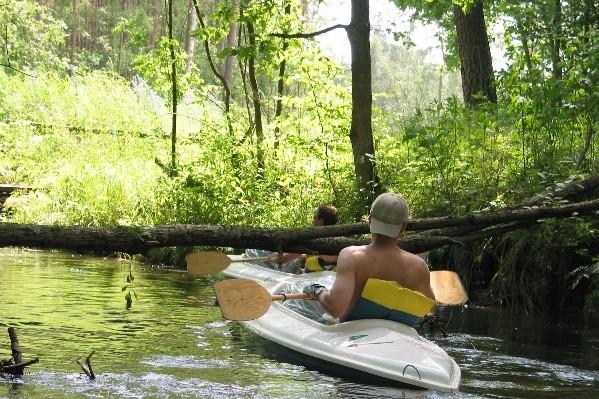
{"x": 173, "y": 342}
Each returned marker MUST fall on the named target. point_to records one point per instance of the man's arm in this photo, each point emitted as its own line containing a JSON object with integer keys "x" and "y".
{"x": 425, "y": 286}
{"x": 338, "y": 300}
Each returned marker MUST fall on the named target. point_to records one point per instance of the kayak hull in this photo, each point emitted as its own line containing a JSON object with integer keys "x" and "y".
{"x": 377, "y": 347}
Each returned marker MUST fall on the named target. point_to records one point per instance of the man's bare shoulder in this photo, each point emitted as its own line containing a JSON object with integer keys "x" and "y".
{"x": 353, "y": 250}
{"x": 350, "y": 256}
{"x": 415, "y": 261}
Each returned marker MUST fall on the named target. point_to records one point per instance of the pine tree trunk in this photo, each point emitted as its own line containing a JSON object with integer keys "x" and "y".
{"x": 74, "y": 32}
{"x": 190, "y": 41}
{"x": 231, "y": 41}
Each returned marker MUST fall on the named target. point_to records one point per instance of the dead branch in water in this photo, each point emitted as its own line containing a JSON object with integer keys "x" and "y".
{"x": 86, "y": 366}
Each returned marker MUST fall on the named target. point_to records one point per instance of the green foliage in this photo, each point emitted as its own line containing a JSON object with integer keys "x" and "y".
{"x": 155, "y": 67}
{"x": 448, "y": 159}
{"x": 108, "y": 176}
{"x": 538, "y": 268}
{"x": 30, "y": 37}
{"x": 100, "y": 101}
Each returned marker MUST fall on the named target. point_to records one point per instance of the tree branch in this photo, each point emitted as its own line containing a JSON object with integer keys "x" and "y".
{"x": 308, "y": 35}
{"x": 211, "y": 62}
{"x": 17, "y": 70}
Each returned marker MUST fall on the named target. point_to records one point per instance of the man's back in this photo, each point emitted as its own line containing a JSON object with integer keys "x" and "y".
{"x": 382, "y": 259}
{"x": 383, "y": 262}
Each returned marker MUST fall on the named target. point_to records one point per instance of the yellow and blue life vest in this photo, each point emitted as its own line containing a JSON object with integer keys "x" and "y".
{"x": 383, "y": 299}
{"x": 316, "y": 264}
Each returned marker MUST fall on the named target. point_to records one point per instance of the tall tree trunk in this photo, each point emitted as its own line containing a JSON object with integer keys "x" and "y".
{"x": 173, "y": 168}
{"x": 231, "y": 41}
{"x": 525, "y": 47}
{"x": 440, "y": 90}
{"x": 256, "y": 100}
{"x": 305, "y": 8}
{"x": 588, "y": 139}
{"x": 281, "y": 85}
{"x": 157, "y": 14}
{"x": 227, "y": 91}
{"x": 360, "y": 133}
{"x": 478, "y": 83}
{"x": 190, "y": 41}
{"x": 124, "y": 5}
{"x": 74, "y": 31}
{"x": 556, "y": 40}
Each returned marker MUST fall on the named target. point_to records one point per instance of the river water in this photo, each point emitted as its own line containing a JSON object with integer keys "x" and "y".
{"x": 173, "y": 342}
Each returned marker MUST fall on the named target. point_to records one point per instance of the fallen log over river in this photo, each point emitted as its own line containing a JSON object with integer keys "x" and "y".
{"x": 325, "y": 240}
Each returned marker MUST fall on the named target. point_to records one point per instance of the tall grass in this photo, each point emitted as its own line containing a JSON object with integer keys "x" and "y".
{"x": 88, "y": 147}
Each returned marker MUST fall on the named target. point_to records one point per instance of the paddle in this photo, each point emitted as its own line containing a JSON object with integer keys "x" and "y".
{"x": 241, "y": 299}
{"x": 212, "y": 262}
{"x": 246, "y": 299}
{"x": 448, "y": 288}
{"x": 446, "y": 284}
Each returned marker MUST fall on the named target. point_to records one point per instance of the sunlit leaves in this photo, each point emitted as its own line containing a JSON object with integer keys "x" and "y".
{"x": 31, "y": 36}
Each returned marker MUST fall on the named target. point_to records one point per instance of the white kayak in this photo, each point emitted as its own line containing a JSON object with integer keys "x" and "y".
{"x": 382, "y": 348}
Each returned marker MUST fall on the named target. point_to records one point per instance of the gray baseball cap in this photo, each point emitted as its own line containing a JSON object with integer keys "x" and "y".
{"x": 388, "y": 213}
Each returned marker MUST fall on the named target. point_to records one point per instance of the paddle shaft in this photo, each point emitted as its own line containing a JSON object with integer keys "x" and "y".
{"x": 250, "y": 259}
{"x": 289, "y": 297}
{"x": 211, "y": 262}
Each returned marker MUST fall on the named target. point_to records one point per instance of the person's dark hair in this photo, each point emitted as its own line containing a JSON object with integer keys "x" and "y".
{"x": 327, "y": 213}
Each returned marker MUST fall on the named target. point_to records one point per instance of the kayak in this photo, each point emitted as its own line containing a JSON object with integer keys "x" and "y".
{"x": 377, "y": 347}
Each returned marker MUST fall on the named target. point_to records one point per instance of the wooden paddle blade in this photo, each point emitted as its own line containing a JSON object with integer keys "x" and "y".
{"x": 242, "y": 299}
{"x": 208, "y": 262}
{"x": 448, "y": 288}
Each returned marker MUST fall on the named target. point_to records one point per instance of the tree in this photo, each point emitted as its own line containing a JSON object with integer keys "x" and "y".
{"x": 360, "y": 134}
{"x": 470, "y": 42}
{"x": 358, "y": 33}
{"x": 190, "y": 41}
{"x": 230, "y": 43}
{"x": 173, "y": 62}
{"x": 475, "y": 54}
{"x": 256, "y": 101}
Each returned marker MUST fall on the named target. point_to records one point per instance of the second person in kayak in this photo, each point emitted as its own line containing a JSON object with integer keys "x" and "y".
{"x": 324, "y": 215}
{"x": 382, "y": 259}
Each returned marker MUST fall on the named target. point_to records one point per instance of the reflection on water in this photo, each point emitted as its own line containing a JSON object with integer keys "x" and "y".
{"x": 173, "y": 342}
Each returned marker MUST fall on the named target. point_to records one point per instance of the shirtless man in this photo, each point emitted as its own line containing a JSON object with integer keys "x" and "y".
{"x": 324, "y": 215}
{"x": 382, "y": 259}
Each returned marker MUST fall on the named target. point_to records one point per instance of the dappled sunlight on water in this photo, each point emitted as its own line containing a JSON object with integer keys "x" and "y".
{"x": 173, "y": 342}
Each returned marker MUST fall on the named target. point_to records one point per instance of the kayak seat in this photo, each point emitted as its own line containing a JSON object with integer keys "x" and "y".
{"x": 316, "y": 264}
{"x": 383, "y": 299}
